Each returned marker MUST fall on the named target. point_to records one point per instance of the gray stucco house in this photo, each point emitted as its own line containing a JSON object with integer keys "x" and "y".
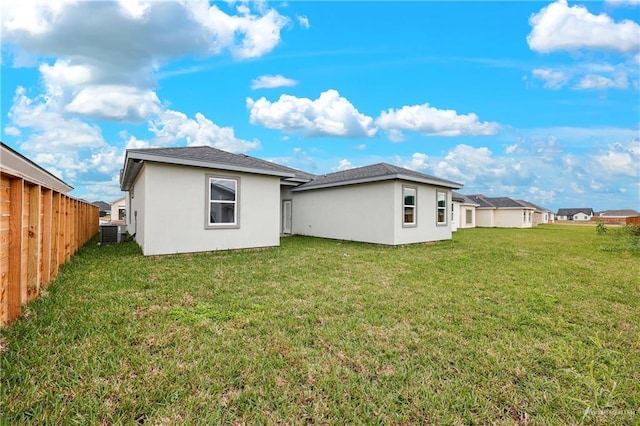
{"x": 193, "y": 199}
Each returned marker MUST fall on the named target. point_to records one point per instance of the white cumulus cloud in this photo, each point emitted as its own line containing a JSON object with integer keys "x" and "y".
{"x": 559, "y": 26}
{"x": 49, "y": 129}
{"x": 343, "y": 164}
{"x": 173, "y": 126}
{"x": 272, "y": 81}
{"x": 553, "y": 79}
{"x": 431, "y": 121}
{"x": 620, "y": 160}
{"x": 418, "y": 161}
{"x": 599, "y": 82}
{"x": 329, "y": 115}
{"x": 115, "y": 102}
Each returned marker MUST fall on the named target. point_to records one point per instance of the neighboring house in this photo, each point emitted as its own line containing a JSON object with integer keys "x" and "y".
{"x": 540, "y": 214}
{"x": 463, "y": 211}
{"x": 501, "y": 212}
{"x": 618, "y": 214}
{"x": 578, "y": 214}
{"x": 118, "y": 209}
{"x": 105, "y": 208}
{"x": 380, "y": 203}
{"x": 203, "y": 199}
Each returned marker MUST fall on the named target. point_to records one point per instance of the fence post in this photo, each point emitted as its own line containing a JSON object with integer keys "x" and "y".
{"x": 16, "y": 216}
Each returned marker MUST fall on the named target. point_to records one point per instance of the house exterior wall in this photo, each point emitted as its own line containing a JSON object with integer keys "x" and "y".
{"x": 369, "y": 212}
{"x": 512, "y": 218}
{"x": 362, "y": 212}
{"x": 426, "y": 229}
{"x": 462, "y": 217}
{"x": 173, "y": 216}
{"x": 116, "y": 206}
{"x": 484, "y": 218}
{"x": 538, "y": 217}
{"x": 455, "y": 215}
{"x": 581, "y": 216}
{"x": 136, "y": 207}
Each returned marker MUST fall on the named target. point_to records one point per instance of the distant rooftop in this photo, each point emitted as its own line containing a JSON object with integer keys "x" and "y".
{"x": 374, "y": 173}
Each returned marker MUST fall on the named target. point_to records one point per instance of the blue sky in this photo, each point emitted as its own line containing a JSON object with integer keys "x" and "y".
{"x": 530, "y": 100}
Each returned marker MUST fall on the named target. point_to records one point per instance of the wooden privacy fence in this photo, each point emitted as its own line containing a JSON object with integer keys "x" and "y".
{"x": 633, "y": 220}
{"x": 40, "y": 229}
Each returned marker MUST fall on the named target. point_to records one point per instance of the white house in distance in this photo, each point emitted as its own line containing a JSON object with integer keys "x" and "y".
{"x": 501, "y": 212}
{"x": 577, "y": 214}
{"x": 119, "y": 209}
{"x": 618, "y": 214}
{"x": 192, "y": 199}
{"x": 540, "y": 214}
{"x": 463, "y": 211}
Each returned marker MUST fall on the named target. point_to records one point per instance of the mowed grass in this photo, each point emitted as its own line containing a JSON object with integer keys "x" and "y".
{"x": 497, "y": 326}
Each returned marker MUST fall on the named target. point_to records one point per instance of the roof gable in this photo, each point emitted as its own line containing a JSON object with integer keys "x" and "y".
{"x": 456, "y": 196}
{"x": 498, "y": 202}
{"x": 374, "y": 173}
{"x": 207, "y": 157}
{"x": 529, "y": 204}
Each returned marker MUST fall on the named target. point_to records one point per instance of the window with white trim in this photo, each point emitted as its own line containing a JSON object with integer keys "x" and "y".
{"x": 409, "y": 206}
{"x": 222, "y": 202}
{"x": 469, "y": 217}
{"x": 441, "y": 202}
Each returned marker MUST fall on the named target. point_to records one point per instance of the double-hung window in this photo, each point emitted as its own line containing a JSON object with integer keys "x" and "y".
{"x": 441, "y": 202}
{"x": 409, "y": 206}
{"x": 222, "y": 202}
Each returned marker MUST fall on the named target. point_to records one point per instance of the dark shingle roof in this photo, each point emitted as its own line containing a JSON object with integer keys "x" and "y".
{"x": 529, "y": 204}
{"x": 102, "y": 205}
{"x": 456, "y": 196}
{"x": 206, "y": 156}
{"x": 504, "y": 202}
{"x": 216, "y": 156}
{"x": 497, "y": 202}
{"x": 619, "y": 213}
{"x": 571, "y": 212}
{"x": 373, "y": 173}
{"x": 480, "y": 200}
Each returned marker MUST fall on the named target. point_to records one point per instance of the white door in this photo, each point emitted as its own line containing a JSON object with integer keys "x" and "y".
{"x": 286, "y": 217}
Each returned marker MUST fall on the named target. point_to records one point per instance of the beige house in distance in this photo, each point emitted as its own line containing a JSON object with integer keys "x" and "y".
{"x": 502, "y": 212}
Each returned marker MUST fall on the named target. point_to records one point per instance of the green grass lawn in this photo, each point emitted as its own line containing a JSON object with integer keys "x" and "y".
{"x": 498, "y": 326}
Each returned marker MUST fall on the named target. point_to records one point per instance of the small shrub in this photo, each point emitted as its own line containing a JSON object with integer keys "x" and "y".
{"x": 601, "y": 228}
{"x": 632, "y": 229}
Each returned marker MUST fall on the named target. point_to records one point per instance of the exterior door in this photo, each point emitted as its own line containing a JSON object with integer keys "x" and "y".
{"x": 286, "y": 217}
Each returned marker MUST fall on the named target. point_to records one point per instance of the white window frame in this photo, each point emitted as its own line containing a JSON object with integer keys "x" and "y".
{"x": 208, "y": 201}
{"x": 413, "y": 224}
{"x": 443, "y": 208}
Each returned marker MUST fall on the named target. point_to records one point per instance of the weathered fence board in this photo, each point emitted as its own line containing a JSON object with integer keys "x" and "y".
{"x": 633, "y": 220}
{"x": 40, "y": 229}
